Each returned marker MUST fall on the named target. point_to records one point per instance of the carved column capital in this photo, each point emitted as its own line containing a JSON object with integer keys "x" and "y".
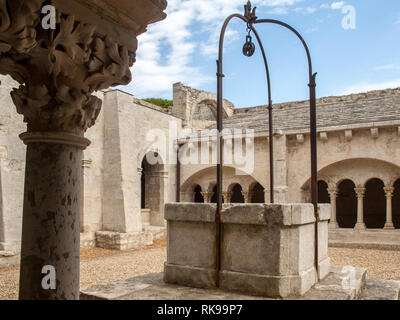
{"x": 207, "y": 196}
{"x": 18, "y": 22}
{"x": 227, "y": 196}
{"x": 388, "y": 191}
{"x": 247, "y": 196}
{"x": 333, "y": 192}
{"x": 58, "y": 70}
{"x": 360, "y": 192}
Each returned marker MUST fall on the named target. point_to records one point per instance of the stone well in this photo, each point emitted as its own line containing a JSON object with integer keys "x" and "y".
{"x": 267, "y": 250}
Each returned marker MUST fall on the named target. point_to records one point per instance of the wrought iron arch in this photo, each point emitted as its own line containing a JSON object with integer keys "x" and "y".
{"x": 251, "y": 19}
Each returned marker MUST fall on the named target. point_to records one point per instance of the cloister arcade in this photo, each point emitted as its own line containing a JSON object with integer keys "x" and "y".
{"x": 374, "y": 205}
{"x": 234, "y": 194}
{"x": 364, "y": 193}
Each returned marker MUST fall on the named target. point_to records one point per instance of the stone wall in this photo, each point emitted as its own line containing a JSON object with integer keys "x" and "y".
{"x": 191, "y": 105}
{"x": 128, "y": 123}
{"x": 358, "y": 138}
{"x": 12, "y": 167}
{"x": 266, "y": 250}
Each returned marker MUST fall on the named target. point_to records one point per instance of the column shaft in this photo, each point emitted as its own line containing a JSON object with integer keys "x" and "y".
{"x": 389, "y": 214}
{"x": 333, "y": 196}
{"x": 51, "y": 220}
{"x": 360, "y": 225}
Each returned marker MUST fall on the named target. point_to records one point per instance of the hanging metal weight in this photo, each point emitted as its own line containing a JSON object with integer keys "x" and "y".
{"x": 249, "y": 48}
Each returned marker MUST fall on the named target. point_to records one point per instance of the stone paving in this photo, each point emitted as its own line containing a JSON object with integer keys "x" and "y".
{"x": 152, "y": 287}
{"x": 99, "y": 266}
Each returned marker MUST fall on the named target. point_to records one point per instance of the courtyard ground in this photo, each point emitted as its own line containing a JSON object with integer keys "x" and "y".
{"x": 99, "y": 265}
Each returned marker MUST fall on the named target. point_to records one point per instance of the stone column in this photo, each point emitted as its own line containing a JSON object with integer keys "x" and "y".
{"x": 227, "y": 197}
{"x": 389, "y": 218}
{"x": 158, "y": 219}
{"x": 51, "y": 216}
{"x": 207, "y": 196}
{"x": 57, "y": 79}
{"x": 267, "y": 196}
{"x": 247, "y": 196}
{"x": 58, "y": 69}
{"x": 333, "y": 195}
{"x": 360, "y": 225}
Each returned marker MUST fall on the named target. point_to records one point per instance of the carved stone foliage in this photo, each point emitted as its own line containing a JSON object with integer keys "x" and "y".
{"x": 18, "y": 19}
{"x": 60, "y": 69}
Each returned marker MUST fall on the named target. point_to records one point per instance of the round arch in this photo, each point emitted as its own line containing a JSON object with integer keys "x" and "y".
{"x": 257, "y": 193}
{"x": 396, "y": 204}
{"x": 236, "y": 193}
{"x": 346, "y": 204}
{"x": 152, "y": 186}
{"x": 359, "y": 170}
{"x": 323, "y": 194}
{"x": 374, "y": 204}
{"x": 206, "y": 177}
{"x": 198, "y": 197}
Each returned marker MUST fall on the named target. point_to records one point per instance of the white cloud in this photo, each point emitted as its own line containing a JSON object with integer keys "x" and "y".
{"x": 364, "y": 87}
{"x": 278, "y": 11}
{"x": 274, "y": 3}
{"x": 308, "y": 10}
{"x": 166, "y": 50}
{"x": 337, "y": 5}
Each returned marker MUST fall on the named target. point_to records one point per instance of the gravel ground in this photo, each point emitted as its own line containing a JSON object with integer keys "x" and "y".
{"x": 380, "y": 264}
{"x": 99, "y": 265}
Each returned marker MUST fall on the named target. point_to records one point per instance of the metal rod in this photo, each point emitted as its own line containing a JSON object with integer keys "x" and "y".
{"x": 220, "y": 76}
{"x": 313, "y": 132}
{"x": 219, "y": 174}
{"x": 251, "y": 19}
{"x": 178, "y": 175}
{"x": 270, "y": 117}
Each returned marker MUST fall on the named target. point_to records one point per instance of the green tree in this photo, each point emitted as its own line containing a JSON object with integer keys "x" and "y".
{"x": 163, "y": 103}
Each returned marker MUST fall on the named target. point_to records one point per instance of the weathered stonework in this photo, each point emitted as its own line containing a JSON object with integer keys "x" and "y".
{"x": 112, "y": 188}
{"x": 58, "y": 70}
{"x": 267, "y": 250}
{"x": 123, "y": 241}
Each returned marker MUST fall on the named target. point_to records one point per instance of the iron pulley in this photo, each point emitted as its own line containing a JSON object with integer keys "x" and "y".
{"x": 249, "y": 47}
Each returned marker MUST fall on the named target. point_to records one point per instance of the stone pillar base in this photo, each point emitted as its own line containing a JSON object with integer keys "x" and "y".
{"x": 333, "y": 225}
{"x": 247, "y": 283}
{"x": 267, "y": 250}
{"x": 123, "y": 241}
{"x": 10, "y": 246}
{"x": 360, "y": 226}
{"x": 324, "y": 268}
{"x": 9, "y": 258}
{"x": 268, "y": 285}
{"x": 204, "y": 278}
{"x": 389, "y": 226}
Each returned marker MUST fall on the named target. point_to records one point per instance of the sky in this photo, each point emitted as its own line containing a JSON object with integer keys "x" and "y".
{"x": 354, "y": 45}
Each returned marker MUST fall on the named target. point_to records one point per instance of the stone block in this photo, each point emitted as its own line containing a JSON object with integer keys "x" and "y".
{"x": 190, "y": 212}
{"x": 266, "y": 250}
{"x": 123, "y": 241}
{"x": 190, "y": 276}
{"x": 88, "y": 240}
